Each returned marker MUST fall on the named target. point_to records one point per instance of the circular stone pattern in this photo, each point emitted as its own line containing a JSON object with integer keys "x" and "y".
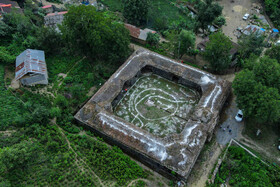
{"x": 157, "y": 105}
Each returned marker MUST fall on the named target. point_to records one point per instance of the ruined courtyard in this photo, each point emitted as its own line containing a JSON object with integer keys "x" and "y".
{"x": 157, "y": 105}
{"x": 158, "y": 110}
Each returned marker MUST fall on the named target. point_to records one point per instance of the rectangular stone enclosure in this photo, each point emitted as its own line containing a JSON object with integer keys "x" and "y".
{"x": 158, "y": 110}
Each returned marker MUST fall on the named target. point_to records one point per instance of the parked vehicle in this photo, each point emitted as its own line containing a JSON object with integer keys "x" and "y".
{"x": 239, "y": 116}
{"x": 246, "y": 16}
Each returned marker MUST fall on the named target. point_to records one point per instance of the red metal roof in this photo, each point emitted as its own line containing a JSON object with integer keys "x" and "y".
{"x": 47, "y": 6}
{"x": 57, "y": 13}
{"x": 134, "y": 31}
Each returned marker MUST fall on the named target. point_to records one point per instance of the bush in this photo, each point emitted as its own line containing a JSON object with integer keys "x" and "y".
{"x": 153, "y": 38}
{"x": 61, "y": 101}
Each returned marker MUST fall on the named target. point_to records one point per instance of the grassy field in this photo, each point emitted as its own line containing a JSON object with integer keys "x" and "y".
{"x": 241, "y": 169}
{"x": 37, "y": 152}
{"x": 161, "y": 12}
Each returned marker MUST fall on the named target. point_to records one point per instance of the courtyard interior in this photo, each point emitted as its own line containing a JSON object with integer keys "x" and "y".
{"x": 157, "y": 105}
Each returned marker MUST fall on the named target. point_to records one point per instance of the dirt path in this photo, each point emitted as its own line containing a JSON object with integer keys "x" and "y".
{"x": 233, "y": 12}
{"x": 77, "y": 160}
{"x": 204, "y": 166}
{"x": 258, "y": 148}
{"x": 65, "y": 75}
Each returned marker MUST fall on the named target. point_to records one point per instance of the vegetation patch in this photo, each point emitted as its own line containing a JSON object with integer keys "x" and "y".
{"x": 241, "y": 169}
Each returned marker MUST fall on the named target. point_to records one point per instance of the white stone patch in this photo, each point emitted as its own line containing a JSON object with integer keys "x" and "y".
{"x": 206, "y": 80}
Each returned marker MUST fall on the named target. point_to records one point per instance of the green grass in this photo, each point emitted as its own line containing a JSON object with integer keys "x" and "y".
{"x": 164, "y": 114}
{"x": 241, "y": 169}
{"x": 159, "y": 9}
{"x": 114, "y": 5}
{"x": 60, "y": 64}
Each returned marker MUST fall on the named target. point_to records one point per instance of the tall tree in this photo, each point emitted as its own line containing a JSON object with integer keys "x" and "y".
{"x": 274, "y": 52}
{"x": 89, "y": 33}
{"x": 207, "y": 13}
{"x": 251, "y": 44}
{"x": 136, "y": 11}
{"x": 186, "y": 42}
{"x": 217, "y": 51}
{"x": 257, "y": 91}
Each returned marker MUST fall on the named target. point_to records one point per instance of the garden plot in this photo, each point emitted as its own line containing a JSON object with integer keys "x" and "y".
{"x": 157, "y": 105}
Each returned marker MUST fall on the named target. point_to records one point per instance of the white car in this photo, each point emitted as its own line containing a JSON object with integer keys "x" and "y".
{"x": 239, "y": 116}
{"x": 246, "y": 16}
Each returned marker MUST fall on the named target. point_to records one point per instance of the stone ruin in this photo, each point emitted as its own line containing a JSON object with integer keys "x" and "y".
{"x": 176, "y": 152}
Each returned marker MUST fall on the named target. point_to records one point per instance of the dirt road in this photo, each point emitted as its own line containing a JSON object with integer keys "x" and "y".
{"x": 233, "y": 12}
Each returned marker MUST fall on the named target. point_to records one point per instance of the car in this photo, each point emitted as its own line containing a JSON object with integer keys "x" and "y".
{"x": 246, "y": 16}
{"x": 239, "y": 116}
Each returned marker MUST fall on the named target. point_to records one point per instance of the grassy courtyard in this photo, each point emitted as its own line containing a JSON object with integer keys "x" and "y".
{"x": 157, "y": 105}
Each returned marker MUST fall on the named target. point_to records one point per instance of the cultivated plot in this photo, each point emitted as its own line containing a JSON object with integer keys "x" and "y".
{"x": 157, "y": 105}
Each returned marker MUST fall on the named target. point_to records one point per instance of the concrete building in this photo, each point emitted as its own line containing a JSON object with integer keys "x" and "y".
{"x": 31, "y": 67}
{"x": 52, "y": 19}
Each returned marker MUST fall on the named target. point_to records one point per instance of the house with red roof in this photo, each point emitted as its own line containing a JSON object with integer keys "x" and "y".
{"x": 137, "y": 34}
{"x": 48, "y": 8}
{"x": 6, "y": 7}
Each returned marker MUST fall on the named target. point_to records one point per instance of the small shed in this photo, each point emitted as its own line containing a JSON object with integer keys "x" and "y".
{"x": 254, "y": 29}
{"x": 48, "y": 8}
{"x": 275, "y": 32}
{"x": 137, "y": 34}
{"x": 31, "y": 67}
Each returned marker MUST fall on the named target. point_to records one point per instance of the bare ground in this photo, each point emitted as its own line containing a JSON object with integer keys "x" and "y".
{"x": 233, "y": 12}
{"x": 204, "y": 165}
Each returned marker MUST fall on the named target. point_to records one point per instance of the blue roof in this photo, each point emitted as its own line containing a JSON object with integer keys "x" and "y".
{"x": 275, "y": 30}
{"x": 262, "y": 29}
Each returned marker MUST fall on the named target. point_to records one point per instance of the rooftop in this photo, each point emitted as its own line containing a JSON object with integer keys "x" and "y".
{"x": 174, "y": 152}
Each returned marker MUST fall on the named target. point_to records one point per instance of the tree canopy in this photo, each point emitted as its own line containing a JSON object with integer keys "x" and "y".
{"x": 251, "y": 44}
{"x": 90, "y": 34}
{"x": 274, "y": 52}
{"x": 217, "y": 51}
{"x": 207, "y": 13}
{"x": 187, "y": 42}
{"x": 136, "y": 11}
{"x": 257, "y": 90}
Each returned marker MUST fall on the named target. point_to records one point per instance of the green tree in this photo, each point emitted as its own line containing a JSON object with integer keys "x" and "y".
{"x": 257, "y": 90}
{"x": 136, "y": 11}
{"x": 153, "y": 38}
{"x": 217, "y": 51}
{"x": 274, "y": 52}
{"x": 186, "y": 42}
{"x": 17, "y": 156}
{"x": 207, "y": 13}
{"x": 251, "y": 44}
{"x": 89, "y": 33}
{"x": 220, "y": 21}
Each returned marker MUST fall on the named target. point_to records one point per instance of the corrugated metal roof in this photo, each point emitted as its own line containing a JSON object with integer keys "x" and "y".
{"x": 31, "y": 61}
{"x": 133, "y": 31}
{"x": 57, "y": 13}
{"x": 47, "y": 6}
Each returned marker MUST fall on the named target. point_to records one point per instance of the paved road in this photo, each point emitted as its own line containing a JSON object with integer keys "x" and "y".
{"x": 223, "y": 135}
